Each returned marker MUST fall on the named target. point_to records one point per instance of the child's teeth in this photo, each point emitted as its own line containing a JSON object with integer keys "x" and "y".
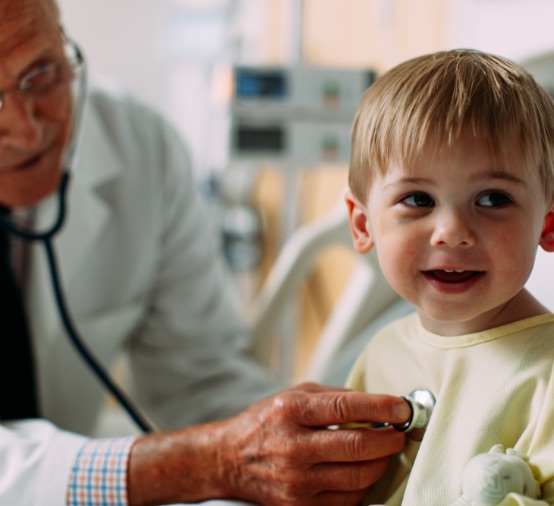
{"x": 446, "y": 270}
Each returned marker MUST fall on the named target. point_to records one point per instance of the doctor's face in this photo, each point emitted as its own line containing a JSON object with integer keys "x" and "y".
{"x": 34, "y": 126}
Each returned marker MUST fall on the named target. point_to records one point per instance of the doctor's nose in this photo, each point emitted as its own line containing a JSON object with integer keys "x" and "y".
{"x": 20, "y": 128}
{"x": 453, "y": 229}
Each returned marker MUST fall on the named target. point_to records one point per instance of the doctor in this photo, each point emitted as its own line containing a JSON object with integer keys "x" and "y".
{"x": 141, "y": 275}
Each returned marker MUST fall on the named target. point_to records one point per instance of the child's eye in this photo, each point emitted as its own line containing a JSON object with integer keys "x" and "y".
{"x": 494, "y": 199}
{"x": 418, "y": 200}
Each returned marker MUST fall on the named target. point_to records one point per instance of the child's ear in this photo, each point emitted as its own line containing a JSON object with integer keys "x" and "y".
{"x": 547, "y": 235}
{"x": 357, "y": 217}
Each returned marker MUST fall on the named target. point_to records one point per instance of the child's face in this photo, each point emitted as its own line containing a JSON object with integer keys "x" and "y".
{"x": 457, "y": 235}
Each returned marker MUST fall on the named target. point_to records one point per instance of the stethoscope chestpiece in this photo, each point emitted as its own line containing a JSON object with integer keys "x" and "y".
{"x": 421, "y": 402}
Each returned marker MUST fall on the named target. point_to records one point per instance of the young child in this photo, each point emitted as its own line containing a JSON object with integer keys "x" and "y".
{"x": 452, "y": 180}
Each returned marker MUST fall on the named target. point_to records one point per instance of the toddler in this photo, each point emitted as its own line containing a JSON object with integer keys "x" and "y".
{"x": 451, "y": 180}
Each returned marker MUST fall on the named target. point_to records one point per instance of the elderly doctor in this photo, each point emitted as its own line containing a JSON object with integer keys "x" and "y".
{"x": 141, "y": 274}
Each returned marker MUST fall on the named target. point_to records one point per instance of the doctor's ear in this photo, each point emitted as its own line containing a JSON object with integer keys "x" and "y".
{"x": 547, "y": 235}
{"x": 357, "y": 217}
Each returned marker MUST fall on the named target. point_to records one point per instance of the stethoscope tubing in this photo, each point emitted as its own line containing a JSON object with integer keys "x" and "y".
{"x": 45, "y": 237}
{"x": 82, "y": 348}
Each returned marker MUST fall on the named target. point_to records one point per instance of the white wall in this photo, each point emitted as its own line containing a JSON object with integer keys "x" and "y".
{"x": 129, "y": 41}
{"x": 121, "y": 38}
{"x": 516, "y": 29}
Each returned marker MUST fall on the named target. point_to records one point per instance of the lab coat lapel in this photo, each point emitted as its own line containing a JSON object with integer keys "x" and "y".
{"x": 87, "y": 216}
{"x": 88, "y": 213}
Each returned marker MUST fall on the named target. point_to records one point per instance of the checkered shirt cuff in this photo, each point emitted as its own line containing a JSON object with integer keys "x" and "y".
{"x": 99, "y": 473}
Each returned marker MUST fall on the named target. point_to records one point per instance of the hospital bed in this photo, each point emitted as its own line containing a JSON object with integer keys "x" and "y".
{"x": 366, "y": 304}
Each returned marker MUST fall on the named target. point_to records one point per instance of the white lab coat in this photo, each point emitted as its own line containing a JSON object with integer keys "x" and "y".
{"x": 141, "y": 271}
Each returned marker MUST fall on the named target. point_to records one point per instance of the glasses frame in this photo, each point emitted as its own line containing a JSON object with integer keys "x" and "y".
{"x": 73, "y": 57}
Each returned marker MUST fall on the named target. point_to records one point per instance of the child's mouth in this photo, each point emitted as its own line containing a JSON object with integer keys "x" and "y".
{"x": 447, "y": 276}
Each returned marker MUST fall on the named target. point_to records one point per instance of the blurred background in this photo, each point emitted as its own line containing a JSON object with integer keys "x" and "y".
{"x": 264, "y": 91}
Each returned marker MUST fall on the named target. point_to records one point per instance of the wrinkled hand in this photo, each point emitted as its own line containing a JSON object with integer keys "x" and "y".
{"x": 277, "y": 452}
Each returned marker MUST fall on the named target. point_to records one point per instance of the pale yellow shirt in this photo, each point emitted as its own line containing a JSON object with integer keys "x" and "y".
{"x": 491, "y": 387}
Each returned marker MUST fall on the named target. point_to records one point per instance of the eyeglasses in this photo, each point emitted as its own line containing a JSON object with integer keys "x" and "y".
{"x": 45, "y": 79}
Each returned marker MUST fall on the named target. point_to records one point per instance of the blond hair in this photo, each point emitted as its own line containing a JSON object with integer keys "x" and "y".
{"x": 438, "y": 95}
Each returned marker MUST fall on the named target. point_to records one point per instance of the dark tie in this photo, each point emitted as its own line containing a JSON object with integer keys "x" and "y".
{"x": 17, "y": 382}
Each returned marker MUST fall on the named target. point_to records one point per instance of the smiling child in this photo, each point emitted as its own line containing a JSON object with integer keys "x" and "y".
{"x": 451, "y": 180}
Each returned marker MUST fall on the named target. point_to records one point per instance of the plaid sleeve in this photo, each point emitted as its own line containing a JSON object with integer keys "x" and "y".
{"x": 99, "y": 473}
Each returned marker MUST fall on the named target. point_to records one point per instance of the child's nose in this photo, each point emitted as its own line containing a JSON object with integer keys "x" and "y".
{"x": 453, "y": 229}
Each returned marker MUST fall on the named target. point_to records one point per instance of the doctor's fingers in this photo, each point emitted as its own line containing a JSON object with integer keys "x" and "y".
{"x": 324, "y": 485}
{"x": 352, "y": 445}
{"x": 351, "y": 477}
{"x": 312, "y": 406}
{"x": 340, "y": 498}
{"x": 333, "y": 484}
{"x": 316, "y": 387}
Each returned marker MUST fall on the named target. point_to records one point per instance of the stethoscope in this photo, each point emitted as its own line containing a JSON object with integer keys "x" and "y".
{"x": 421, "y": 402}
{"x": 45, "y": 237}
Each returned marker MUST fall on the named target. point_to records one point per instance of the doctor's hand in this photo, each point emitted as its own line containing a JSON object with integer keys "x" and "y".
{"x": 276, "y": 452}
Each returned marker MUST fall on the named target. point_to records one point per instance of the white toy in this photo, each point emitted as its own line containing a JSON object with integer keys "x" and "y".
{"x": 489, "y": 477}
